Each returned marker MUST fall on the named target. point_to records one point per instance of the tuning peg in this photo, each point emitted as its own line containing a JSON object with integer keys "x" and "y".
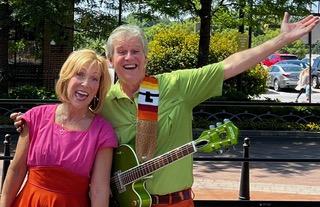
{"x": 218, "y": 124}
{"x": 226, "y": 120}
{"x": 212, "y": 126}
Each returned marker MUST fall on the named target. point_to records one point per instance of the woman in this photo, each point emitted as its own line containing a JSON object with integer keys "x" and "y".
{"x": 66, "y": 148}
{"x": 303, "y": 84}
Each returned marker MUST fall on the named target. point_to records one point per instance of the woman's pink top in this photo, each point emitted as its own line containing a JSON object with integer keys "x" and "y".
{"x": 51, "y": 145}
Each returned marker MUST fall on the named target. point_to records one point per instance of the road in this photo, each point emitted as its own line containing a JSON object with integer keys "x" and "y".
{"x": 289, "y": 95}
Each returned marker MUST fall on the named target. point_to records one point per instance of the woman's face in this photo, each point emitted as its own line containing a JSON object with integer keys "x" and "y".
{"x": 84, "y": 85}
{"x": 129, "y": 60}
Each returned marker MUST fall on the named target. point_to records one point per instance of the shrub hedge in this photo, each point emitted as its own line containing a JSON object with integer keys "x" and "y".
{"x": 176, "y": 47}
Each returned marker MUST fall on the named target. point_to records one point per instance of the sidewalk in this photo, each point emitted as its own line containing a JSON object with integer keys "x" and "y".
{"x": 225, "y": 185}
{"x": 268, "y": 181}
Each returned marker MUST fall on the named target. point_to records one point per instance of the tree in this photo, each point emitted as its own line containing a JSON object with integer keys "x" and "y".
{"x": 93, "y": 24}
{"x": 4, "y": 37}
{"x": 262, "y": 12}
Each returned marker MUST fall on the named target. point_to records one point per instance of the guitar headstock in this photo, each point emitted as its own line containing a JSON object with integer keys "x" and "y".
{"x": 218, "y": 137}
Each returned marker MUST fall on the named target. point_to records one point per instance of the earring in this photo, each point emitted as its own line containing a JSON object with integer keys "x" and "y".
{"x": 94, "y": 103}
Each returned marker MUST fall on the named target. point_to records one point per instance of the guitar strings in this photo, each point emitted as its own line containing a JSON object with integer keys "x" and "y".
{"x": 135, "y": 173}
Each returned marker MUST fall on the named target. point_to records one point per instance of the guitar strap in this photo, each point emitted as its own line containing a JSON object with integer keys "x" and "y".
{"x": 148, "y": 100}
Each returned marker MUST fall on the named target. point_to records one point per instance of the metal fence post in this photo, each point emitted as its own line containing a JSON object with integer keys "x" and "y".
{"x": 6, "y": 162}
{"x": 244, "y": 193}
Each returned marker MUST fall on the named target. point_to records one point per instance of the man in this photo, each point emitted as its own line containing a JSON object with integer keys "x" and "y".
{"x": 179, "y": 92}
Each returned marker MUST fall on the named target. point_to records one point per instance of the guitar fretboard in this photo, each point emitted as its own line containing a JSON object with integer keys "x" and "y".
{"x": 146, "y": 168}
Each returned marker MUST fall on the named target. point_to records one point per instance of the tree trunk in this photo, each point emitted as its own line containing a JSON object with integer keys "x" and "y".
{"x": 4, "y": 38}
{"x": 205, "y": 30}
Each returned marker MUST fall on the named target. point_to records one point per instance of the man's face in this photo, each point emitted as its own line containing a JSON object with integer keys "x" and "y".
{"x": 129, "y": 60}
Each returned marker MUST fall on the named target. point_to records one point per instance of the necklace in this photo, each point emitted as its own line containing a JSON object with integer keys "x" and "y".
{"x": 67, "y": 122}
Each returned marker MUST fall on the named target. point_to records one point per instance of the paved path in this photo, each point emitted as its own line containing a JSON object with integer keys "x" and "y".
{"x": 268, "y": 181}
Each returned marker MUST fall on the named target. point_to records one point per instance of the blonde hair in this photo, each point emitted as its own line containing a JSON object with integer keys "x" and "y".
{"x": 73, "y": 65}
{"x": 128, "y": 31}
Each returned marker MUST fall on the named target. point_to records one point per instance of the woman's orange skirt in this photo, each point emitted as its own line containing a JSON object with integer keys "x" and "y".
{"x": 53, "y": 187}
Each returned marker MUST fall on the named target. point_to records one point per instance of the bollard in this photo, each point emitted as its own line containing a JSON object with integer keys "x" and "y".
{"x": 6, "y": 152}
{"x": 244, "y": 193}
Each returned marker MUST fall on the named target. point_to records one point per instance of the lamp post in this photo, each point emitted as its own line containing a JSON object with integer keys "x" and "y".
{"x": 315, "y": 12}
{"x": 120, "y": 13}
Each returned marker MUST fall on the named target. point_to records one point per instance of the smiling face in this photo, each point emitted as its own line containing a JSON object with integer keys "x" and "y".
{"x": 84, "y": 85}
{"x": 129, "y": 60}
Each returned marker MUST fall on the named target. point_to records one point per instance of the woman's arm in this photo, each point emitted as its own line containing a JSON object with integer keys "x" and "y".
{"x": 17, "y": 170}
{"x": 100, "y": 179}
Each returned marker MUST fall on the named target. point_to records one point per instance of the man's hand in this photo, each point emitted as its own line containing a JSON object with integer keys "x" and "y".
{"x": 18, "y": 121}
{"x": 241, "y": 61}
{"x": 298, "y": 29}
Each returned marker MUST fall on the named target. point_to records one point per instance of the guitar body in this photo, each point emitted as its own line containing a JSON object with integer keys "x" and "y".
{"x": 135, "y": 194}
{"x": 128, "y": 175}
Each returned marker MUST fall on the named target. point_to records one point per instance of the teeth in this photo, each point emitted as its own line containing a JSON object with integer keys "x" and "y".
{"x": 82, "y": 93}
{"x": 130, "y": 67}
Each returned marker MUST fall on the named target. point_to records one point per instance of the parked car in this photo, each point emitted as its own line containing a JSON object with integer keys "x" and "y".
{"x": 313, "y": 57}
{"x": 274, "y": 58}
{"x": 294, "y": 62}
{"x": 283, "y": 76}
{"x": 315, "y": 74}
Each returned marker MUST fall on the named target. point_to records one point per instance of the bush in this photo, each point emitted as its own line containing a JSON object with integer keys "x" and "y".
{"x": 172, "y": 48}
{"x": 222, "y": 45}
{"x": 176, "y": 47}
{"x": 31, "y": 92}
{"x": 242, "y": 87}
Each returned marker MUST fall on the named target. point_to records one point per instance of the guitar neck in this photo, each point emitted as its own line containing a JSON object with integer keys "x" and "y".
{"x": 146, "y": 168}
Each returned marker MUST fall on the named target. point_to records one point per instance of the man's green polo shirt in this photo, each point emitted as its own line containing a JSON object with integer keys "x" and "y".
{"x": 180, "y": 92}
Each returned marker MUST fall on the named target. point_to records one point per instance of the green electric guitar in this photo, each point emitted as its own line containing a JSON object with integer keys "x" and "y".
{"x": 128, "y": 175}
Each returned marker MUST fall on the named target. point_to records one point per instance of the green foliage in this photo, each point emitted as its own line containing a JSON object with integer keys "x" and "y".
{"x": 30, "y": 92}
{"x": 33, "y": 14}
{"x": 316, "y": 48}
{"x": 225, "y": 18}
{"x": 93, "y": 24}
{"x": 242, "y": 87}
{"x": 172, "y": 48}
{"x": 82, "y": 41}
{"x": 175, "y": 47}
{"x": 269, "y": 34}
{"x": 222, "y": 45}
{"x": 298, "y": 47}
{"x": 17, "y": 46}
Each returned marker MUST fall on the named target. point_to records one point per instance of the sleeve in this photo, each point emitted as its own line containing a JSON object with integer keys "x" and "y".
{"x": 30, "y": 118}
{"x": 107, "y": 136}
{"x": 37, "y": 118}
{"x": 197, "y": 85}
